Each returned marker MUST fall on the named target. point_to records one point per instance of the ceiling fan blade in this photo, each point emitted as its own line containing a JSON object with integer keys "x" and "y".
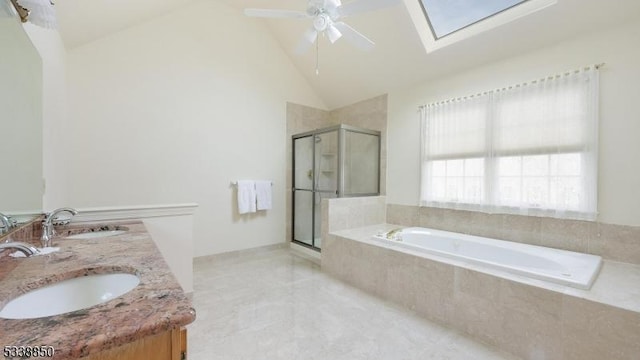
{"x": 309, "y": 38}
{"x": 354, "y": 37}
{"x": 361, "y": 6}
{"x": 333, "y": 33}
{"x": 332, "y": 4}
{"x": 273, "y": 13}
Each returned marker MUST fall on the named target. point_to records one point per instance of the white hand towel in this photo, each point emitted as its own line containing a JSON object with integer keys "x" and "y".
{"x": 263, "y": 193}
{"x": 246, "y": 196}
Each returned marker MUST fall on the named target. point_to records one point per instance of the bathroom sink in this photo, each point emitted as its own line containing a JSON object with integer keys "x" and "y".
{"x": 99, "y": 233}
{"x": 69, "y": 295}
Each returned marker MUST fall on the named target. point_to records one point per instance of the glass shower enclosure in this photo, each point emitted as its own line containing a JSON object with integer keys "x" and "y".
{"x": 338, "y": 161}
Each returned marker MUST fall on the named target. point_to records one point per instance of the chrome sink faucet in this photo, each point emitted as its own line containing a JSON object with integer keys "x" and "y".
{"x": 7, "y": 223}
{"x": 48, "y": 230}
{"x": 26, "y": 249}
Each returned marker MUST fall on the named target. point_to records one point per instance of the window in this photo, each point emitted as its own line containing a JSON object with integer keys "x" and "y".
{"x": 441, "y": 23}
{"x": 527, "y": 149}
{"x": 447, "y": 16}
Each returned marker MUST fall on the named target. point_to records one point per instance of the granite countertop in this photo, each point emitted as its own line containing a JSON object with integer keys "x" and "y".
{"x": 156, "y": 305}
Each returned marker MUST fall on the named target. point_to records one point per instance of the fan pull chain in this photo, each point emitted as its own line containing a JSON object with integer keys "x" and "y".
{"x": 317, "y": 50}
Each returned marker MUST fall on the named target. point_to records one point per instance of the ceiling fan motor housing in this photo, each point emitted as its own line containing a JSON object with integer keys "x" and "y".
{"x": 321, "y": 21}
{"x": 326, "y": 16}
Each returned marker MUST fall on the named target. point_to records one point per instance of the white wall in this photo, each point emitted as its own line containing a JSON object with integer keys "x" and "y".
{"x": 619, "y": 173}
{"x": 173, "y": 110}
{"x": 172, "y": 232}
{"x": 166, "y": 232}
{"x": 54, "y": 113}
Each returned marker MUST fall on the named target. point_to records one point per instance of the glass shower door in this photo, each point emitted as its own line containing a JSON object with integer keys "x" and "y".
{"x": 315, "y": 167}
{"x": 303, "y": 196}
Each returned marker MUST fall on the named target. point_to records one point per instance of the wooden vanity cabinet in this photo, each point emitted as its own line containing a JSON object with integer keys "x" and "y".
{"x": 169, "y": 345}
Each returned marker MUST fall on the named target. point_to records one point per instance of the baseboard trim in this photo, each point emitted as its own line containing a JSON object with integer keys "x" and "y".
{"x": 237, "y": 253}
{"x": 305, "y": 252}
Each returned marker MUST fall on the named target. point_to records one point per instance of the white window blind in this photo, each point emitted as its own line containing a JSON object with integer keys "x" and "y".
{"x": 529, "y": 149}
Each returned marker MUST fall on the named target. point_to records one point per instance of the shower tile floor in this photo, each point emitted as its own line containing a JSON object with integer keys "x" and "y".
{"x": 277, "y": 305}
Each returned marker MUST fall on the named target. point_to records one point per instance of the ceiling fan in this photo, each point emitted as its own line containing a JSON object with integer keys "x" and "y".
{"x": 326, "y": 16}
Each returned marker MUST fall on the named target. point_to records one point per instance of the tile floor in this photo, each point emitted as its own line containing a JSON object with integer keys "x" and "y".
{"x": 277, "y": 305}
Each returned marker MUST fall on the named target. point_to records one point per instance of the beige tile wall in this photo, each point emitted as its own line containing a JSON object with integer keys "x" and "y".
{"x": 613, "y": 242}
{"x": 348, "y": 213}
{"x": 368, "y": 114}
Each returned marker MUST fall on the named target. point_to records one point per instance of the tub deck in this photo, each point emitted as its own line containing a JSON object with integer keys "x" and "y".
{"x": 558, "y": 266}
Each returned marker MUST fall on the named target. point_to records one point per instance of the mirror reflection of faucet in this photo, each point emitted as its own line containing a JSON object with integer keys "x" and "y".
{"x": 6, "y": 223}
{"x": 23, "y": 248}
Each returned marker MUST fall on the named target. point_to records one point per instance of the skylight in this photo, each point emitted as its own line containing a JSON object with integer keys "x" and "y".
{"x": 444, "y": 22}
{"x": 448, "y": 16}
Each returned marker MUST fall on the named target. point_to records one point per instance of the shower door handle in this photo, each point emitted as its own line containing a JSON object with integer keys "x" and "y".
{"x": 335, "y": 192}
{"x": 326, "y": 191}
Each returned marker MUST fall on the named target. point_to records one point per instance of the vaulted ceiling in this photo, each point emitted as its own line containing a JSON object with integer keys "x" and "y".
{"x": 347, "y": 74}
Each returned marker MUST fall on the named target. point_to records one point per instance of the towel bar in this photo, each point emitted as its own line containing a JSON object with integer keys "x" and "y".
{"x": 235, "y": 183}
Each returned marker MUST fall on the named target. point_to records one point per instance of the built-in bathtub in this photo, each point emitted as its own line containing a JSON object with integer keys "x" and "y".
{"x": 519, "y": 314}
{"x": 558, "y": 266}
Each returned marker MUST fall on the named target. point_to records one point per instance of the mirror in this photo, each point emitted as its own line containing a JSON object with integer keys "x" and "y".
{"x": 21, "y": 183}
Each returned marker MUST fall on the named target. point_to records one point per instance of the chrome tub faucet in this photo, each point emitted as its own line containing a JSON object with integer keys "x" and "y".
{"x": 48, "y": 229}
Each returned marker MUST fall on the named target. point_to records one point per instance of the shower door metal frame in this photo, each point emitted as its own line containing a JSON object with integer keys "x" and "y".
{"x": 314, "y": 173}
{"x": 339, "y": 192}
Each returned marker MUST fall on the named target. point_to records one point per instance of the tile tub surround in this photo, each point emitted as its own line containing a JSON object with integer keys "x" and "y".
{"x": 613, "y": 242}
{"x": 530, "y": 318}
{"x": 156, "y": 305}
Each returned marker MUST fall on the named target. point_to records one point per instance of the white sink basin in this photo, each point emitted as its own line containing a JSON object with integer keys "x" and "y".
{"x": 69, "y": 295}
{"x": 96, "y": 234}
